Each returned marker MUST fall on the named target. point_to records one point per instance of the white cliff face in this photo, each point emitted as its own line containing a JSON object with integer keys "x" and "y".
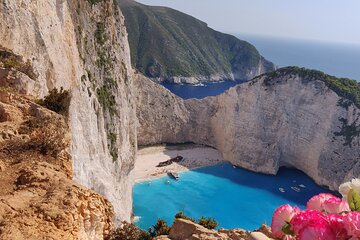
{"x": 292, "y": 122}
{"x": 161, "y": 115}
{"x": 261, "y": 126}
{"x": 83, "y": 48}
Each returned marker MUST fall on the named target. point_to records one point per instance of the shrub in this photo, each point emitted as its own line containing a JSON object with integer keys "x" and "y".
{"x": 10, "y": 60}
{"x": 209, "y": 223}
{"x": 93, "y": 2}
{"x": 160, "y": 228}
{"x": 57, "y": 101}
{"x": 106, "y": 99}
{"x": 128, "y": 231}
{"x": 100, "y": 35}
{"x": 12, "y": 63}
{"x": 183, "y": 216}
{"x": 47, "y": 135}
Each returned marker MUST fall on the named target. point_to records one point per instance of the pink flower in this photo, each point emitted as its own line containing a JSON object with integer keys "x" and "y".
{"x": 336, "y": 205}
{"x": 317, "y": 201}
{"x": 317, "y": 231}
{"x": 352, "y": 224}
{"x": 337, "y": 225}
{"x": 305, "y": 218}
{"x": 281, "y": 217}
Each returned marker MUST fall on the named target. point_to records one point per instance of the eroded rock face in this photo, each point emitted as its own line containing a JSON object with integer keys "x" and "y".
{"x": 38, "y": 198}
{"x": 162, "y": 116}
{"x": 260, "y": 125}
{"x": 84, "y": 48}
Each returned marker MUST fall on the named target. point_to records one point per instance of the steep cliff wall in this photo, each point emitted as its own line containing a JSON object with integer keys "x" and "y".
{"x": 82, "y": 47}
{"x": 289, "y": 120}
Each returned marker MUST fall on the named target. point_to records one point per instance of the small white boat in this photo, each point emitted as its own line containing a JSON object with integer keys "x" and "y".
{"x": 281, "y": 190}
{"x": 167, "y": 182}
{"x": 234, "y": 166}
{"x": 296, "y": 189}
{"x": 174, "y": 175}
{"x": 302, "y": 185}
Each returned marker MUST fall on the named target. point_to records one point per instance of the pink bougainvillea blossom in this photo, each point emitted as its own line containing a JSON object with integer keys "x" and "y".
{"x": 317, "y": 231}
{"x": 305, "y": 218}
{"x": 317, "y": 201}
{"x": 281, "y": 217}
{"x": 352, "y": 224}
{"x": 337, "y": 225}
{"x": 336, "y": 205}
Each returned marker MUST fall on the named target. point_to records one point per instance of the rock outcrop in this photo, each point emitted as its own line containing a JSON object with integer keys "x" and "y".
{"x": 82, "y": 46}
{"x": 292, "y": 120}
{"x": 187, "y": 230}
{"x": 38, "y": 198}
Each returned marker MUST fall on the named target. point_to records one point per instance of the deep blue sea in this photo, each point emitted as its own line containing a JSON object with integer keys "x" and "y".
{"x": 236, "y": 198}
{"x": 336, "y": 59}
{"x": 187, "y": 91}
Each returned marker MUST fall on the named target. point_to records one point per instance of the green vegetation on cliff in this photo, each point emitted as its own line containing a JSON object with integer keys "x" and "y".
{"x": 166, "y": 43}
{"x": 344, "y": 87}
{"x": 57, "y": 101}
{"x": 347, "y": 89}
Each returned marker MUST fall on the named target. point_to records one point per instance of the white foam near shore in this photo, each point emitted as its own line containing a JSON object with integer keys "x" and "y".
{"x": 194, "y": 156}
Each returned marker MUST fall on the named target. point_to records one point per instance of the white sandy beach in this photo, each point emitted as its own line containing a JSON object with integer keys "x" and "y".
{"x": 194, "y": 156}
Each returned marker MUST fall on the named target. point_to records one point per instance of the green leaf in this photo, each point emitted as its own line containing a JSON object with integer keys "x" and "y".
{"x": 287, "y": 229}
{"x": 354, "y": 200}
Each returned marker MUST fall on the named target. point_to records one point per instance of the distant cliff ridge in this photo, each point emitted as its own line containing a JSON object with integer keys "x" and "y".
{"x": 167, "y": 45}
{"x": 291, "y": 117}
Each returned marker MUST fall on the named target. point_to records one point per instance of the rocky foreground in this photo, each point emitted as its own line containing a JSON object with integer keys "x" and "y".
{"x": 183, "y": 229}
{"x": 38, "y": 197}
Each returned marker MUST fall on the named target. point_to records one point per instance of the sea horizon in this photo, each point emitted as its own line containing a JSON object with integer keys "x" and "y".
{"x": 334, "y": 58}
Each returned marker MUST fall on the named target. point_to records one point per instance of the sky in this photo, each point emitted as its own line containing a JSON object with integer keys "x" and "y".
{"x": 323, "y": 20}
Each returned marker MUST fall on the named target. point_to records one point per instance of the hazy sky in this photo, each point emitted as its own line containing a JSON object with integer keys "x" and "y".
{"x": 326, "y": 20}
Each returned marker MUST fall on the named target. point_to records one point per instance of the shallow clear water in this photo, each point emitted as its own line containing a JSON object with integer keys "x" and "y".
{"x": 236, "y": 198}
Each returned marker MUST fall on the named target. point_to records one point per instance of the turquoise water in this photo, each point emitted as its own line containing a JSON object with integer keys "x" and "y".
{"x": 236, "y": 198}
{"x": 340, "y": 60}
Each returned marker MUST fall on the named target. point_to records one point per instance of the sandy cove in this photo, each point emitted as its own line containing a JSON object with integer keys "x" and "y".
{"x": 194, "y": 156}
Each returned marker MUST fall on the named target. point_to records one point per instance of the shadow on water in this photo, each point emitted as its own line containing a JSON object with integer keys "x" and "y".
{"x": 286, "y": 178}
{"x": 206, "y": 89}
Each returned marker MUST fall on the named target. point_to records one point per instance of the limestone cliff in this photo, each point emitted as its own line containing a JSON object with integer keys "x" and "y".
{"x": 292, "y": 119}
{"x": 38, "y": 199}
{"x": 82, "y": 46}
